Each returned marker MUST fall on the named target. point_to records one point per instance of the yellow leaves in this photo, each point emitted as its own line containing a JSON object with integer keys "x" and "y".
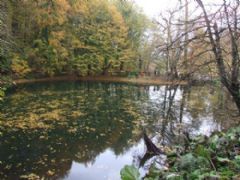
{"x": 50, "y": 173}
{"x": 38, "y": 114}
{"x": 43, "y": 137}
{"x": 76, "y": 114}
{"x": 69, "y": 29}
{"x": 72, "y": 130}
{"x": 76, "y": 43}
{"x": 33, "y": 117}
{"x": 53, "y": 14}
{"x": 80, "y": 7}
{"x": 132, "y": 112}
{"x": 54, "y": 42}
{"x": 63, "y": 6}
{"x": 19, "y": 66}
{"x": 31, "y": 176}
{"x": 51, "y": 115}
{"x": 116, "y": 16}
{"x": 9, "y": 166}
{"x": 58, "y": 35}
{"x": 19, "y": 165}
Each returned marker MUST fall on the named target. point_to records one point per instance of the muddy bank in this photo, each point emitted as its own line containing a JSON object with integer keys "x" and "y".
{"x": 139, "y": 81}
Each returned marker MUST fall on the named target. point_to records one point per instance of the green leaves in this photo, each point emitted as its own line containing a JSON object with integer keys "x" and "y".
{"x": 203, "y": 152}
{"x": 214, "y": 139}
{"x": 189, "y": 162}
{"x": 130, "y": 173}
{"x": 5, "y": 82}
{"x": 223, "y": 160}
{"x": 76, "y": 37}
{"x": 216, "y": 157}
{"x": 1, "y": 94}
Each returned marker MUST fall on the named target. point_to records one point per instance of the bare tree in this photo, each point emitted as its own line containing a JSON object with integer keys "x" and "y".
{"x": 171, "y": 49}
{"x": 186, "y": 63}
{"x": 208, "y": 40}
{"x": 222, "y": 25}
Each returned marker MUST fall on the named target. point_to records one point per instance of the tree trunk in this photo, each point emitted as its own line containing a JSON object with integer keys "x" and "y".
{"x": 236, "y": 99}
{"x": 229, "y": 81}
{"x": 151, "y": 148}
{"x": 106, "y": 68}
{"x": 187, "y": 67}
{"x": 234, "y": 91}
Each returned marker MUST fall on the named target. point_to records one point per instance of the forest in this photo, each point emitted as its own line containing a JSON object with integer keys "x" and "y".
{"x": 50, "y": 38}
{"x": 70, "y": 68}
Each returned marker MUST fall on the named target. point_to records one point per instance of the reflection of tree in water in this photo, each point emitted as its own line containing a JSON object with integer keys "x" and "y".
{"x": 210, "y": 104}
{"x": 83, "y": 121}
{"x": 166, "y": 114}
{"x": 184, "y": 108}
{"x": 182, "y": 111}
{"x": 45, "y": 127}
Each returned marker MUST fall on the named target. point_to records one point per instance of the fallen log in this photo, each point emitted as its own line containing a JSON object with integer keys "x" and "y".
{"x": 151, "y": 147}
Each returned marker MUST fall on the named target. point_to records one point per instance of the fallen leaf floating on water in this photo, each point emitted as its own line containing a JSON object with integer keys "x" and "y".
{"x": 31, "y": 176}
{"x": 50, "y": 173}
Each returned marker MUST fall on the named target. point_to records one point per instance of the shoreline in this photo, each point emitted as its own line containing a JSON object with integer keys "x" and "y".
{"x": 116, "y": 79}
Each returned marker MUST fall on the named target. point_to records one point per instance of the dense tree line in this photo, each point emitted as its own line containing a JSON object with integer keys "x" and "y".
{"x": 55, "y": 37}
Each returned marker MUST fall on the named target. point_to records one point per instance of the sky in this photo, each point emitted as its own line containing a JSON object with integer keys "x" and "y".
{"x": 153, "y": 7}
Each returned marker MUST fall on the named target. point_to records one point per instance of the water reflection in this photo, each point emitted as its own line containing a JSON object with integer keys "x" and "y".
{"x": 91, "y": 130}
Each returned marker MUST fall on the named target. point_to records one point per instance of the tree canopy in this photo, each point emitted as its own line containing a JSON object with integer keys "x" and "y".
{"x": 72, "y": 37}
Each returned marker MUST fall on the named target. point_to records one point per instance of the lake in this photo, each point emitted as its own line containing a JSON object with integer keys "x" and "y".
{"x": 89, "y": 131}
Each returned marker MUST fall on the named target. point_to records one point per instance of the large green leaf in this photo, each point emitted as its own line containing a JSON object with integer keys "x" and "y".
{"x": 130, "y": 173}
{"x": 223, "y": 160}
{"x": 189, "y": 162}
{"x": 153, "y": 173}
{"x": 203, "y": 152}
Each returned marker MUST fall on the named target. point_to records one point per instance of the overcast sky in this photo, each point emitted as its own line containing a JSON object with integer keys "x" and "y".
{"x": 153, "y": 7}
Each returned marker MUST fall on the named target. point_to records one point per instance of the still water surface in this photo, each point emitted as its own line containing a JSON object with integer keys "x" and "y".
{"x": 89, "y": 131}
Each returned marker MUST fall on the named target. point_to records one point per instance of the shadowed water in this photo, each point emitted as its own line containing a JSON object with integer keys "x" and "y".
{"x": 90, "y": 131}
